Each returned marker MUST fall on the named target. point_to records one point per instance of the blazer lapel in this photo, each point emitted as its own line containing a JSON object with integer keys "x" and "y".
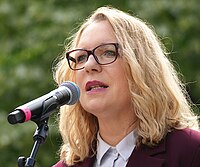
{"x": 146, "y": 156}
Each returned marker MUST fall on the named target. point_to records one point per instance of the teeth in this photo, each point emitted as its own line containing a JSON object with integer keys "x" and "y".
{"x": 96, "y": 87}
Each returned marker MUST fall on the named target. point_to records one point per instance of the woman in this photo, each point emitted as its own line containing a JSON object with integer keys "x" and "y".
{"x": 133, "y": 109}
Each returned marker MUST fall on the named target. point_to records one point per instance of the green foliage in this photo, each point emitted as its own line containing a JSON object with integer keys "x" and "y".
{"x": 32, "y": 34}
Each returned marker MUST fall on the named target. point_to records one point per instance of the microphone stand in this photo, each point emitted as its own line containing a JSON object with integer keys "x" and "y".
{"x": 39, "y": 137}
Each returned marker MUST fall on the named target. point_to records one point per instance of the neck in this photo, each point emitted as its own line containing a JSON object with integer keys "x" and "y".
{"x": 114, "y": 129}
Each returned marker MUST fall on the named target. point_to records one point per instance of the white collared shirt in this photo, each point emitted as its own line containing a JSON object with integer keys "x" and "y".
{"x": 108, "y": 156}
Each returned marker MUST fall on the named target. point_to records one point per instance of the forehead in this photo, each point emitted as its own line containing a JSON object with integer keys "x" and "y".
{"x": 95, "y": 34}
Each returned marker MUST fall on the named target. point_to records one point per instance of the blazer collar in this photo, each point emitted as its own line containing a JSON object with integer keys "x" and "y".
{"x": 146, "y": 156}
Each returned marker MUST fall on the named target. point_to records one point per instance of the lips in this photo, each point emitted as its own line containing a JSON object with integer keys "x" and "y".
{"x": 95, "y": 85}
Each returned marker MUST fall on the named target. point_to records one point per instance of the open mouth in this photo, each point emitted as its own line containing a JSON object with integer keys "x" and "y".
{"x": 95, "y": 85}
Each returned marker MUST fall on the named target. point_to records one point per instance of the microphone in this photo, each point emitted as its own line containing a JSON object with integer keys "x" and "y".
{"x": 40, "y": 108}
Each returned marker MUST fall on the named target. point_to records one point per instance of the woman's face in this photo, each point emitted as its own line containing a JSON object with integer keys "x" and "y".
{"x": 104, "y": 88}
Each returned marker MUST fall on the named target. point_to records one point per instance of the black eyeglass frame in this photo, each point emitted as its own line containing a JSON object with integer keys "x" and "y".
{"x": 91, "y": 52}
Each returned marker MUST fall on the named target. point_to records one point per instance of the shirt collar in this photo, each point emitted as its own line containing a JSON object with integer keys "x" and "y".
{"x": 124, "y": 147}
{"x": 102, "y": 148}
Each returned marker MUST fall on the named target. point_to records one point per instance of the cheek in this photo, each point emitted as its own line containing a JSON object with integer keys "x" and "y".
{"x": 123, "y": 88}
{"x": 120, "y": 75}
{"x": 79, "y": 81}
{"x": 78, "y": 78}
{"x": 122, "y": 81}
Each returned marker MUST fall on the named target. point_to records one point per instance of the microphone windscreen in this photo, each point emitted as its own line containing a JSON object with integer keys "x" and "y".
{"x": 74, "y": 90}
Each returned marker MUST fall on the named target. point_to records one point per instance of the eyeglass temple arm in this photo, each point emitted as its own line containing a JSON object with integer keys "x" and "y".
{"x": 72, "y": 59}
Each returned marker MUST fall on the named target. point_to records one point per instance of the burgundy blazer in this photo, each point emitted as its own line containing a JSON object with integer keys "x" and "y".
{"x": 180, "y": 148}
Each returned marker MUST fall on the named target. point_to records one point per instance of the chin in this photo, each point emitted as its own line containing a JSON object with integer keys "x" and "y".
{"x": 93, "y": 109}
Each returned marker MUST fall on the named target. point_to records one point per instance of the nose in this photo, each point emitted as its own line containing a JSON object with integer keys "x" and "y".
{"x": 91, "y": 65}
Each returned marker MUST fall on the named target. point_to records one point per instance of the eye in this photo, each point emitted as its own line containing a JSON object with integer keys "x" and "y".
{"x": 81, "y": 58}
{"x": 109, "y": 53}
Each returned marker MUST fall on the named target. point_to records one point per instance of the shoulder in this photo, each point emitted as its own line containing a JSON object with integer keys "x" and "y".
{"x": 187, "y": 139}
{"x": 185, "y": 136}
{"x": 60, "y": 164}
{"x": 185, "y": 146}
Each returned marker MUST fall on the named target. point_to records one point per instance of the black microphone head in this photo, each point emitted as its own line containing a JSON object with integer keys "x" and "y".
{"x": 16, "y": 117}
{"x": 74, "y": 91}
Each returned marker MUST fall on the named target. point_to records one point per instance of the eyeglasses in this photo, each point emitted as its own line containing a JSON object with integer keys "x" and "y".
{"x": 103, "y": 54}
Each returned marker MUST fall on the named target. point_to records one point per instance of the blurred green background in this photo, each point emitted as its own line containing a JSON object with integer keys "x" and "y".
{"x": 32, "y": 34}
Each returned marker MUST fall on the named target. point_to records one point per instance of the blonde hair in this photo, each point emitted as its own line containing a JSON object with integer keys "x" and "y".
{"x": 160, "y": 100}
